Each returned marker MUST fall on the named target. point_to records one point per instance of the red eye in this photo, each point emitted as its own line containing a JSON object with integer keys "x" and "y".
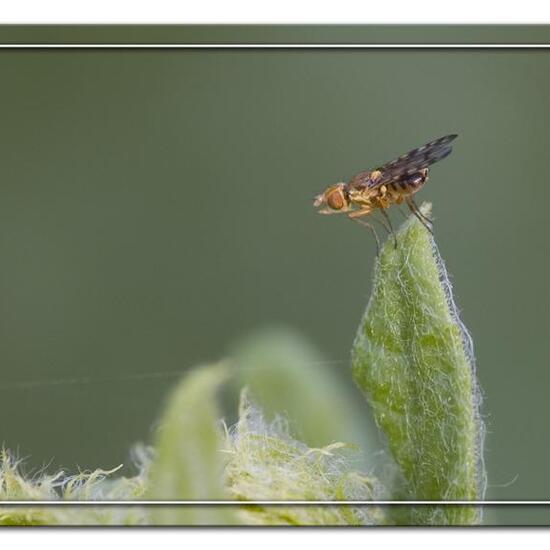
{"x": 336, "y": 200}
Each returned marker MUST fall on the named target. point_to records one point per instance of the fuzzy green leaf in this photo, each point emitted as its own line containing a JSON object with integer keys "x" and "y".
{"x": 188, "y": 464}
{"x": 266, "y": 463}
{"x": 288, "y": 376}
{"x": 95, "y": 485}
{"x": 413, "y": 359}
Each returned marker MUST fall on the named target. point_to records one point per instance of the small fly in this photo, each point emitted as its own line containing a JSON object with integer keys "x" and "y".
{"x": 392, "y": 183}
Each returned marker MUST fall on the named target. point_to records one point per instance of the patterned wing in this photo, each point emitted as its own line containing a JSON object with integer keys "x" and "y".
{"x": 415, "y": 160}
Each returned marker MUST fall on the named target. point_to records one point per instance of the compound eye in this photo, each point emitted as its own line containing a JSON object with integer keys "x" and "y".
{"x": 336, "y": 200}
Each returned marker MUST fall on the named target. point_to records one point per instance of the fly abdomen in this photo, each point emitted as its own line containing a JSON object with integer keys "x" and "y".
{"x": 412, "y": 182}
{"x": 407, "y": 185}
{"x": 417, "y": 179}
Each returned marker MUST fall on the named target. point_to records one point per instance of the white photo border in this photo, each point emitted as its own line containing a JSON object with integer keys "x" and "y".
{"x": 235, "y": 46}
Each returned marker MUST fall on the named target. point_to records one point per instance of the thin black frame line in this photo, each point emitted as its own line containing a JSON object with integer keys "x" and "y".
{"x": 273, "y": 502}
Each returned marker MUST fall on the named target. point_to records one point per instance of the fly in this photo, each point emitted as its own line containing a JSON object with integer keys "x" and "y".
{"x": 392, "y": 183}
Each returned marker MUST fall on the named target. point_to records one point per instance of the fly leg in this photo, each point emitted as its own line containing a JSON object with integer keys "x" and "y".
{"x": 424, "y": 220}
{"x": 428, "y": 220}
{"x": 356, "y": 216}
{"x": 404, "y": 214}
{"x": 389, "y": 226}
{"x": 383, "y": 203}
{"x": 383, "y": 224}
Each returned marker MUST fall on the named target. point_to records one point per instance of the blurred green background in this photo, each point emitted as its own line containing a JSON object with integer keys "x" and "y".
{"x": 156, "y": 208}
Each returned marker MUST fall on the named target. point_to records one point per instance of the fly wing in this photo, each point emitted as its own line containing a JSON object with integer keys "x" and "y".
{"x": 415, "y": 160}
